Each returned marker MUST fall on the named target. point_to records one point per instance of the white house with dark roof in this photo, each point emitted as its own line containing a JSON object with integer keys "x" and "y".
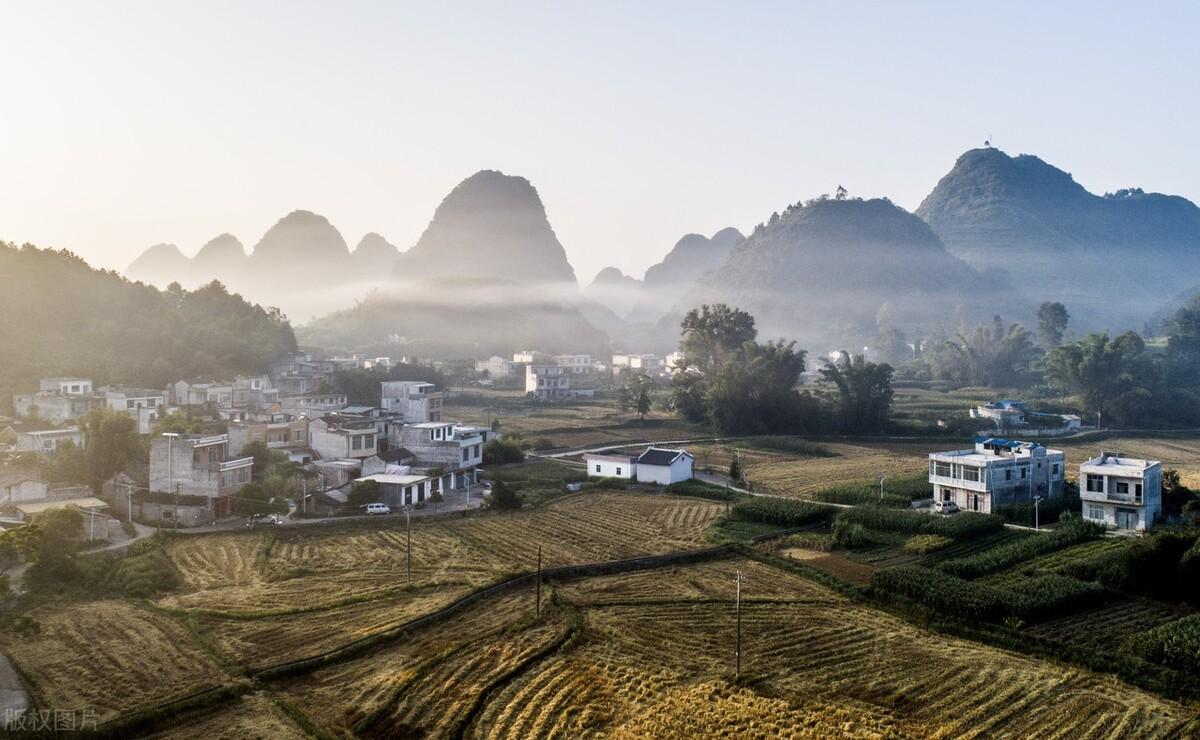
{"x": 655, "y": 465}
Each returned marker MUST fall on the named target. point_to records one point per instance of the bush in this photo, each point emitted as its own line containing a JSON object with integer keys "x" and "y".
{"x": 943, "y": 593}
{"x": 849, "y": 534}
{"x": 794, "y": 445}
{"x": 1157, "y": 566}
{"x": 1174, "y": 644}
{"x": 503, "y": 497}
{"x": 1070, "y": 532}
{"x": 1041, "y": 597}
{"x": 781, "y": 512}
{"x": 959, "y": 526}
{"x": 503, "y": 451}
{"x": 810, "y": 541}
{"x": 363, "y": 492}
{"x": 1049, "y": 511}
{"x": 923, "y": 544}
{"x": 700, "y": 489}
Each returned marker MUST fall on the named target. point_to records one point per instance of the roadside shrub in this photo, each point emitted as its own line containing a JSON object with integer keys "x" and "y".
{"x": 943, "y": 593}
{"x": 700, "y": 489}
{"x": 959, "y": 526}
{"x": 780, "y": 511}
{"x": 849, "y": 534}
{"x": 794, "y": 445}
{"x": 1049, "y": 511}
{"x": 864, "y": 495}
{"x": 922, "y": 544}
{"x": 1174, "y": 644}
{"x": 1070, "y": 532}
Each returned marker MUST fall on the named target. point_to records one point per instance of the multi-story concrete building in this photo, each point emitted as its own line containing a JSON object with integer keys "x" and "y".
{"x": 274, "y": 434}
{"x": 335, "y": 437}
{"x": 525, "y": 356}
{"x": 59, "y": 400}
{"x": 1121, "y": 492}
{"x": 312, "y": 405}
{"x": 575, "y": 364}
{"x": 198, "y": 466}
{"x": 649, "y": 363}
{"x": 996, "y": 472}
{"x": 145, "y": 405}
{"x": 457, "y": 448}
{"x": 415, "y": 401}
{"x": 547, "y": 382}
{"x": 497, "y": 367}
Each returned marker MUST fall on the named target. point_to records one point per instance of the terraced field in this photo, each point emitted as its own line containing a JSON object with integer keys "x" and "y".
{"x": 109, "y": 657}
{"x": 1105, "y": 628}
{"x": 251, "y": 716}
{"x": 654, "y": 658}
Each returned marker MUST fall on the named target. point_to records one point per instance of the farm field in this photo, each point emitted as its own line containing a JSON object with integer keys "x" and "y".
{"x": 652, "y": 656}
{"x": 801, "y": 477}
{"x": 110, "y": 657}
{"x": 250, "y": 716}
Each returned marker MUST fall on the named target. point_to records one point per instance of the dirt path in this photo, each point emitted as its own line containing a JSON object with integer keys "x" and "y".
{"x": 14, "y": 699}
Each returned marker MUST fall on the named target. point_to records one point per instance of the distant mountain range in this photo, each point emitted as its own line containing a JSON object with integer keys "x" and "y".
{"x": 1111, "y": 259}
{"x": 997, "y": 234}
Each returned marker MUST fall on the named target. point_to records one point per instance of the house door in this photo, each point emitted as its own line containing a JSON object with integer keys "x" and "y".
{"x": 1127, "y": 519}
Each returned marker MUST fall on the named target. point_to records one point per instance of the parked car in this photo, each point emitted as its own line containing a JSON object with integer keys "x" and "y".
{"x": 945, "y": 507}
{"x": 258, "y": 520}
{"x": 373, "y": 509}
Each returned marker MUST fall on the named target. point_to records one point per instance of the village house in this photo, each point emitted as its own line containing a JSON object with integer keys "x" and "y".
{"x": 194, "y": 466}
{"x": 575, "y": 364}
{"x": 996, "y": 472}
{"x": 58, "y": 400}
{"x": 1124, "y": 493}
{"x": 43, "y": 438}
{"x": 145, "y": 405}
{"x": 1008, "y": 415}
{"x": 525, "y": 356}
{"x": 457, "y": 448}
{"x": 406, "y": 489}
{"x": 547, "y": 382}
{"x": 498, "y": 367}
{"x": 312, "y": 405}
{"x": 415, "y": 401}
{"x": 655, "y": 465}
{"x": 335, "y": 437}
{"x": 274, "y": 434}
{"x": 651, "y": 364}
{"x": 600, "y": 465}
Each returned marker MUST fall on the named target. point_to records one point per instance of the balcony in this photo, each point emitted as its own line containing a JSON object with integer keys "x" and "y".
{"x": 963, "y": 483}
{"x": 1111, "y": 498}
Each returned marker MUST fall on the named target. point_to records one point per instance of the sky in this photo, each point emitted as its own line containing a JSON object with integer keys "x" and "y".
{"x": 131, "y": 123}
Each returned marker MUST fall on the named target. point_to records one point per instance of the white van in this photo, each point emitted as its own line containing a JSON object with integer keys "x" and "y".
{"x": 373, "y": 509}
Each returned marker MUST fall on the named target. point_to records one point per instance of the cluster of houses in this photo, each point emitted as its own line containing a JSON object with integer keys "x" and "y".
{"x": 549, "y": 378}
{"x": 1121, "y": 492}
{"x": 403, "y": 443}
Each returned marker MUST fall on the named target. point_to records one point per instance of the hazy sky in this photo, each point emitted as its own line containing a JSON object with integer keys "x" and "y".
{"x": 130, "y": 123}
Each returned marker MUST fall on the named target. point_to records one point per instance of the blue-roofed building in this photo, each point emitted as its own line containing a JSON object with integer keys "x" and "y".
{"x": 996, "y": 472}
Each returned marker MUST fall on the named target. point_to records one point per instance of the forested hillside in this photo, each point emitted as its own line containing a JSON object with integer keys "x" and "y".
{"x": 58, "y": 316}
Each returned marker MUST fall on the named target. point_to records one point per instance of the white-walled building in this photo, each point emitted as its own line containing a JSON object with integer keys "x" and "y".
{"x": 547, "y": 382}
{"x": 66, "y": 386}
{"x": 575, "y": 364}
{"x": 46, "y": 439}
{"x": 996, "y": 472}
{"x": 497, "y": 367}
{"x": 524, "y": 357}
{"x": 655, "y": 465}
{"x": 336, "y": 438}
{"x": 610, "y": 466}
{"x": 1121, "y": 492}
{"x": 416, "y": 401}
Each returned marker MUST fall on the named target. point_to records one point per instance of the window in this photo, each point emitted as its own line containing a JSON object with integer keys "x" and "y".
{"x": 1137, "y": 490}
{"x": 943, "y": 469}
{"x": 465, "y": 453}
{"x": 597, "y": 467}
{"x": 129, "y": 404}
{"x": 1008, "y": 474}
{"x": 1024, "y": 473}
{"x": 970, "y": 473}
{"x": 1095, "y": 483}
{"x": 618, "y": 471}
{"x": 1095, "y": 513}
{"x": 1054, "y": 469}
{"x": 1122, "y": 486}
{"x": 356, "y": 442}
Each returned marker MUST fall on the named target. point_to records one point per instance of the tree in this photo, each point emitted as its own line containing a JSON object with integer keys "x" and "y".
{"x": 1183, "y": 344}
{"x": 112, "y": 443}
{"x": 735, "y": 467}
{"x": 864, "y": 392}
{"x": 1116, "y": 377}
{"x": 840, "y": 193}
{"x": 179, "y": 422}
{"x": 1052, "y": 322}
{"x": 363, "y": 492}
{"x": 995, "y": 356}
{"x": 67, "y": 464}
{"x": 755, "y": 391}
{"x": 712, "y": 333}
{"x": 635, "y": 393}
{"x": 502, "y": 451}
{"x": 503, "y": 497}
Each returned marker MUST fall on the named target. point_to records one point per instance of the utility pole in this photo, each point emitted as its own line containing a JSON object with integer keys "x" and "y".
{"x": 304, "y": 495}
{"x": 408, "y": 549}
{"x": 1036, "y": 518}
{"x": 737, "y": 650}
{"x": 538, "y": 587}
{"x": 882, "y": 478}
